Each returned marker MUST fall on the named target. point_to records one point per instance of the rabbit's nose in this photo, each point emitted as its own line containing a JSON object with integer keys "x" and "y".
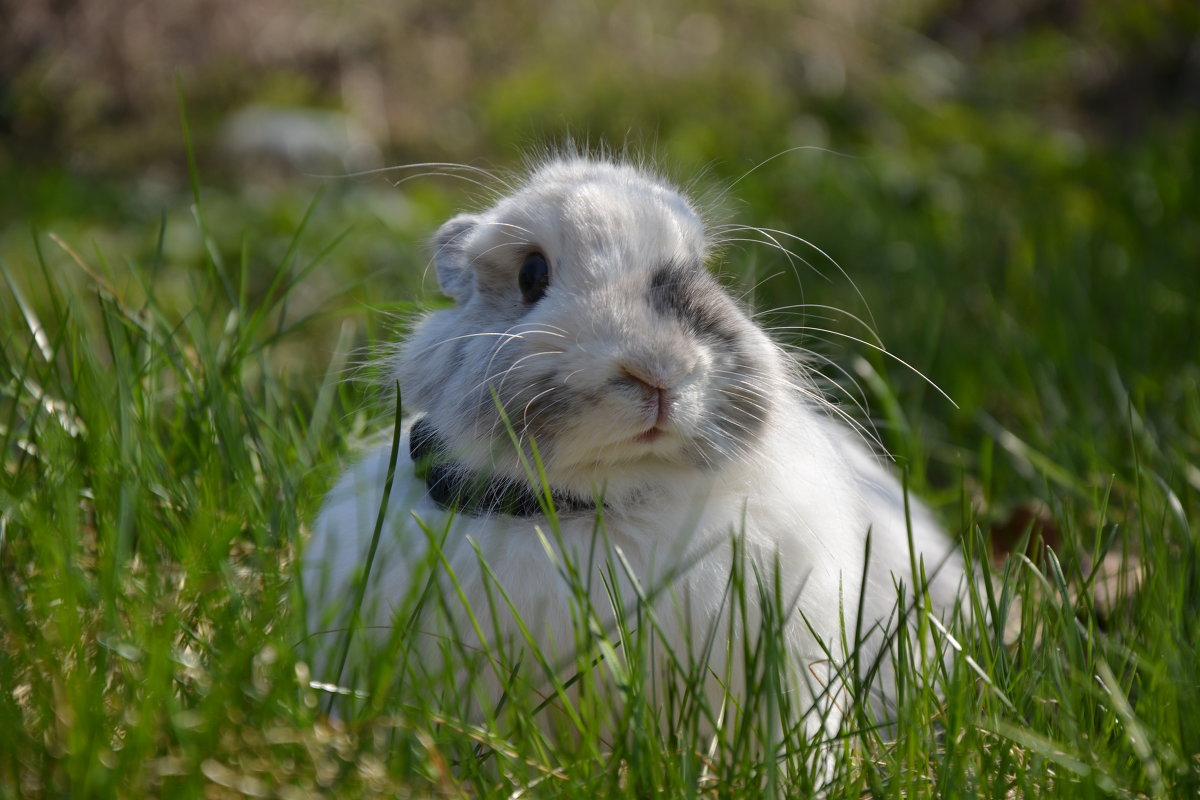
{"x": 659, "y": 369}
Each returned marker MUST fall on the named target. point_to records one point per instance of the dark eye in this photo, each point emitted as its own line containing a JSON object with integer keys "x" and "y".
{"x": 534, "y": 278}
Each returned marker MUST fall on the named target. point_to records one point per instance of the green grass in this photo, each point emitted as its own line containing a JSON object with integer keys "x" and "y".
{"x": 174, "y": 403}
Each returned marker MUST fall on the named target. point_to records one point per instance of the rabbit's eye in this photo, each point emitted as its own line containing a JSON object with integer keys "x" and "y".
{"x": 534, "y": 278}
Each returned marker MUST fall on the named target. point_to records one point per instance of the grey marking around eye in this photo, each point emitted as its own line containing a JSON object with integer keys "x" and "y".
{"x": 691, "y": 295}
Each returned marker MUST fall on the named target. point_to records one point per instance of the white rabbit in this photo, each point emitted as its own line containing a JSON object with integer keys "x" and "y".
{"x": 584, "y": 310}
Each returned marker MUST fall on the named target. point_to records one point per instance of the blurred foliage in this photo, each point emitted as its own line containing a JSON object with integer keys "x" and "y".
{"x": 89, "y": 85}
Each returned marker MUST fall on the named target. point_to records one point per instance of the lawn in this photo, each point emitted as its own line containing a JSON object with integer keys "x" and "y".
{"x": 186, "y": 362}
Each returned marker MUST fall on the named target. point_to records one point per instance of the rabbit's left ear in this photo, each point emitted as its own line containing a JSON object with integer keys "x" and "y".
{"x": 454, "y": 274}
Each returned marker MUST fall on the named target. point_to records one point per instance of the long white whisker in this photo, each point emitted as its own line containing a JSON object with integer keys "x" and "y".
{"x": 878, "y": 348}
{"x": 401, "y": 181}
{"x": 505, "y": 335}
{"x": 495, "y": 223}
{"x": 772, "y": 232}
{"x": 532, "y": 400}
{"x": 510, "y": 337}
{"x": 783, "y": 153}
{"x": 791, "y": 256}
{"x": 805, "y": 306}
{"x": 502, "y": 375}
{"x": 432, "y": 169}
{"x": 498, "y": 246}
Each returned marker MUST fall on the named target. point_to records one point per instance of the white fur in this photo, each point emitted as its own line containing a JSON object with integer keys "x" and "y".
{"x": 798, "y": 487}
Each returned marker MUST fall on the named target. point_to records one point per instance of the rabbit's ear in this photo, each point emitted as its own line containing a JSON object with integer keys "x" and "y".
{"x": 449, "y": 256}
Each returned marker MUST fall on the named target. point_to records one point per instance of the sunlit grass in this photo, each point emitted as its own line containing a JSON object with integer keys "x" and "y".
{"x": 163, "y": 448}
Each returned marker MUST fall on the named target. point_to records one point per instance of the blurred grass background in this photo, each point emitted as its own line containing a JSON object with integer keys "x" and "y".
{"x": 1011, "y": 189}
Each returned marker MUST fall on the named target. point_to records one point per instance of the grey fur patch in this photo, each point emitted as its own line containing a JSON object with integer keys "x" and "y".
{"x": 691, "y": 295}
{"x": 533, "y": 399}
{"x": 741, "y": 413}
{"x": 458, "y": 355}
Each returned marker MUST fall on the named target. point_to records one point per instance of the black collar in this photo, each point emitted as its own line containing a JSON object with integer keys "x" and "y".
{"x": 455, "y": 487}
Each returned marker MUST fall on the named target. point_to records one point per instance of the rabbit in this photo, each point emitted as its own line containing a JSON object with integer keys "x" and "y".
{"x": 589, "y": 345}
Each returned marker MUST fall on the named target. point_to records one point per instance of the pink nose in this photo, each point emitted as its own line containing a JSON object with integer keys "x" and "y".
{"x": 645, "y": 375}
{"x": 659, "y": 366}
{"x": 659, "y": 386}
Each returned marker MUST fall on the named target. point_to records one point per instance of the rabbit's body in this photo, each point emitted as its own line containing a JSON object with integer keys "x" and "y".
{"x": 584, "y": 310}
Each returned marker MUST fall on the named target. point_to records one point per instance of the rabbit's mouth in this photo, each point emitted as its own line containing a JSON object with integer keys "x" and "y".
{"x": 650, "y": 436}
